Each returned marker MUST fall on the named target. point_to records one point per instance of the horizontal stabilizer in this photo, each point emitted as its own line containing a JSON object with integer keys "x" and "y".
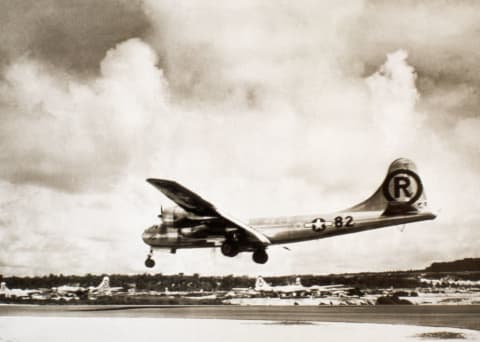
{"x": 399, "y": 208}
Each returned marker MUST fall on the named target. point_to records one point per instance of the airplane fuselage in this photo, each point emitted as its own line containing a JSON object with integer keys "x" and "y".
{"x": 282, "y": 230}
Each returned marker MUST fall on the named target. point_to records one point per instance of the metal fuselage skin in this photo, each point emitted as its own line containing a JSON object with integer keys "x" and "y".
{"x": 282, "y": 230}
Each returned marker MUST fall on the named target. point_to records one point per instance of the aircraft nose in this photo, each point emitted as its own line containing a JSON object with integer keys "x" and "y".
{"x": 146, "y": 235}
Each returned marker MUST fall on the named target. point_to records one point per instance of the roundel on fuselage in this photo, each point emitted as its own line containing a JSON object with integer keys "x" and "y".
{"x": 402, "y": 186}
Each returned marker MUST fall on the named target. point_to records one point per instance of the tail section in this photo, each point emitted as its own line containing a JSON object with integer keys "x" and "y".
{"x": 298, "y": 281}
{"x": 400, "y": 193}
{"x": 104, "y": 286}
{"x": 4, "y": 290}
{"x": 261, "y": 284}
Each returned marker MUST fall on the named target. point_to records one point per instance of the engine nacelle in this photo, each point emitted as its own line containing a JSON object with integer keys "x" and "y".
{"x": 173, "y": 215}
{"x": 176, "y": 217}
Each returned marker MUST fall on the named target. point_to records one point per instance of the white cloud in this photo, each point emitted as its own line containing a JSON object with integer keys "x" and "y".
{"x": 55, "y": 127}
{"x": 261, "y": 109}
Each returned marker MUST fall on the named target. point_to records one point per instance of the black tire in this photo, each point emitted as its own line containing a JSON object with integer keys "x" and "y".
{"x": 229, "y": 249}
{"x": 150, "y": 263}
{"x": 260, "y": 256}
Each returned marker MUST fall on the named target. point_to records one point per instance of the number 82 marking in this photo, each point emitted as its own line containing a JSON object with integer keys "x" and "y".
{"x": 340, "y": 222}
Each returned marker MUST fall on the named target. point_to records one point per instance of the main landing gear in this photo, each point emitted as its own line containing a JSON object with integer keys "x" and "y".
{"x": 150, "y": 263}
{"x": 260, "y": 256}
{"x": 230, "y": 249}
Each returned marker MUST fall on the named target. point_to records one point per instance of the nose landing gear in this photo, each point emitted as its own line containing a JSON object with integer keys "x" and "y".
{"x": 150, "y": 263}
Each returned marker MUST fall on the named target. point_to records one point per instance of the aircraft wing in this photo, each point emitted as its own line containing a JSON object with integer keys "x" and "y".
{"x": 191, "y": 202}
{"x": 251, "y": 231}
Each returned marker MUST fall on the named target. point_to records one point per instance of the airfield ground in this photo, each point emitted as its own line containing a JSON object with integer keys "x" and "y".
{"x": 23, "y": 323}
{"x": 458, "y": 316}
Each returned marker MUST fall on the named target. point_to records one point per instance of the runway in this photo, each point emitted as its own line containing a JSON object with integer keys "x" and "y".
{"x": 138, "y": 329}
{"x": 461, "y": 316}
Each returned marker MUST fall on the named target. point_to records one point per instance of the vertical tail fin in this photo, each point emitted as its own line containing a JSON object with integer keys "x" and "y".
{"x": 104, "y": 286}
{"x": 400, "y": 193}
{"x": 4, "y": 290}
{"x": 298, "y": 281}
{"x": 261, "y": 284}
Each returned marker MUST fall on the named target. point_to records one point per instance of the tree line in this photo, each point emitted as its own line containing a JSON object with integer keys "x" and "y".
{"x": 467, "y": 269}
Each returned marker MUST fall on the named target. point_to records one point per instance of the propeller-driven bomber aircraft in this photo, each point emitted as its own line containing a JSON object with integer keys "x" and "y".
{"x": 197, "y": 223}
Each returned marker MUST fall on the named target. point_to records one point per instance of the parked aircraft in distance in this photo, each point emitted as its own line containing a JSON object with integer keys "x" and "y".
{"x": 16, "y": 293}
{"x": 102, "y": 289}
{"x": 261, "y": 286}
{"x": 196, "y": 223}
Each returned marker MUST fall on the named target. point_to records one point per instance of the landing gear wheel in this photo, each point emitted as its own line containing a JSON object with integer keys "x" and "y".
{"x": 260, "y": 256}
{"x": 150, "y": 263}
{"x": 229, "y": 249}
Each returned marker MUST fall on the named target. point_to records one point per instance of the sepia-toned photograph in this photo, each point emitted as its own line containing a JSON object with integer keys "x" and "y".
{"x": 239, "y": 170}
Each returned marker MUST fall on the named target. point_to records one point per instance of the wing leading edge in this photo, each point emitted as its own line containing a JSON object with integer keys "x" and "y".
{"x": 191, "y": 202}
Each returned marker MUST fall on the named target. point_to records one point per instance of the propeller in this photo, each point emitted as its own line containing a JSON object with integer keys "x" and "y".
{"x": 214, "y": 252}
{"x": 163, "y": 228}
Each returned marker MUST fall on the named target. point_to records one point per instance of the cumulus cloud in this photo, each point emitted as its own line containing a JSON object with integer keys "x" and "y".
{"x": 441, "y": 39}
{"x": 55, "y": 129}
{"x": 262, "y": 109}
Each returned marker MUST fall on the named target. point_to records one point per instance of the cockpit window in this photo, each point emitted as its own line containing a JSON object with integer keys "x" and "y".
{"x": 152, "y": 229}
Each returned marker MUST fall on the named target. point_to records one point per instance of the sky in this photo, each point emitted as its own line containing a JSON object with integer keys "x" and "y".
{"x": 263, "y": 108}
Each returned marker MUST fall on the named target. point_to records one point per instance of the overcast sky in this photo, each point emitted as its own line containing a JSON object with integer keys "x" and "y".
{"x": 264, "y": 108}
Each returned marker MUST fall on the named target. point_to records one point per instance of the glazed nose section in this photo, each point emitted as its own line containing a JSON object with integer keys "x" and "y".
{"x": 147, "y": 234}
